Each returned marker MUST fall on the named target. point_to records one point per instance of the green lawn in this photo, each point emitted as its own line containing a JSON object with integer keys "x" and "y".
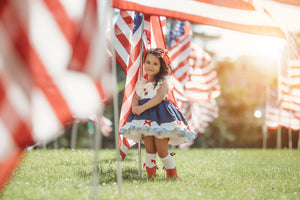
{"x": 203, "y": 174}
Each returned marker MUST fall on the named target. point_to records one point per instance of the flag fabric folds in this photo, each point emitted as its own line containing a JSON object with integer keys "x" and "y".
{"x": 129, "y": 30}
{"x": 272, "y": 115}
{"x": 15, "y": 87}
{"x": 238, "y": 15}
{"x": 196, "y": 75}
{"x": 39, "y": 95}
{"x": 290, "y": 2}
{"x": 196, "y": 84}
{"x": 286, "y": 112}
{"x": 289, "y": 76}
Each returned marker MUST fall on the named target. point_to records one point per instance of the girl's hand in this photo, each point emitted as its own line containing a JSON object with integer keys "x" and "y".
{"x": 137, "y": 110}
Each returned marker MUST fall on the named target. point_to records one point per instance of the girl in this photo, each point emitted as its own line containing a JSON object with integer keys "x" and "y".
{"x": 154, "y": 119}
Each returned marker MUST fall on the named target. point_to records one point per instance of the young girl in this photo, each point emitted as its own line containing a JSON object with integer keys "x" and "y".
{"x": 154, "y": 119}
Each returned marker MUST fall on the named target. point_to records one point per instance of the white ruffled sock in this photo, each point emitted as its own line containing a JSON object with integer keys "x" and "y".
{"x": 168, "y": 162}
{"x": 150, "y": 160}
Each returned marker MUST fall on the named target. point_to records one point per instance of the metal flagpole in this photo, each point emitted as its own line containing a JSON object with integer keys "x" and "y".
{"x": 96, "y": 145}
{"x": 74, "y": 134}
{"x": 265, "y": 136}
{"x": 290, "y": 114}
{"x": 290, "y": 133}
{"x": 115, "y": 102}
{"x": 265, "y": 127}
{"x": 279, "y": 130}
{"x": 97, "y": 142}
{"x": 141, "y": 75}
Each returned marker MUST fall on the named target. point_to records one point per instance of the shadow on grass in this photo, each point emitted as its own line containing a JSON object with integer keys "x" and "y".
{"x": 114, "y": 160}
{"x": 108, "y": 173}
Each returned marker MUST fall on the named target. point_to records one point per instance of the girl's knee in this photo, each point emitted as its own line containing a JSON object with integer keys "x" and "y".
{"x": 162, "y": 154}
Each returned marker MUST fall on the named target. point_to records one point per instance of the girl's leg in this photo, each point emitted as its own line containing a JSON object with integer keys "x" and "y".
{"x": 166, "y": 158}
{"x": 161, "y": 147}
{"x": 150, "y": 156}
{"x": 149, "y": 144}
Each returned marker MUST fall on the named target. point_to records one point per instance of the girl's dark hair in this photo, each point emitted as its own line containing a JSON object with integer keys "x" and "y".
{"x": 164, "y": 69}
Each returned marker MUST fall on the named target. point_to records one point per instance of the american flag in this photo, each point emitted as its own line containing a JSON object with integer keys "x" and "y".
{"x": 286, "y": 114}
{"x": 238, "y": 15}
{"x": 291, "y": 2}
{"x": 202, "y": 82}
{"x": 277, "y": 116}
{"x": 199, "y": 116}
{"x": 157, "y": 28}
{"x": 39, "y": 96}
{"x": 195, "y": 72}
{"x": 201, "y": 89}
{"x": 192, "y": 66}
{"x": 289, "y": 72}
{"x": 289, "y": 120}
{"x": 179, "y": 44}
{"x": 289, "y": 76}
{"x": 272, "y": 109}
{"x": 128, "y": 44}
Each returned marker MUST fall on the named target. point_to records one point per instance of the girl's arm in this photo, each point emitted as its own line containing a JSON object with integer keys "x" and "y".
{"x": 135, "y": 102}
{"x": 158, "y": 98}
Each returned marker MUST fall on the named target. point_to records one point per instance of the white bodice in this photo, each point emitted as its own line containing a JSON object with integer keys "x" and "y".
{"x": 146, "y": 89}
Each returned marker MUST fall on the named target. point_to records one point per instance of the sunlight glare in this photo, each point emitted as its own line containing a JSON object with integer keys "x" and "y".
{"x": 257, "y": 114}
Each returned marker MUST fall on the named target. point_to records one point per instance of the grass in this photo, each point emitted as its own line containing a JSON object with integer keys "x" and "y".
{"x": 203, "y": 174}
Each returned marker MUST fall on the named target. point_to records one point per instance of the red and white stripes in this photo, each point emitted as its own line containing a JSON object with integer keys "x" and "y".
{"x": 39, "y": 96}
{"x": 128, "y": 43}
{"x": 238, "y": 15}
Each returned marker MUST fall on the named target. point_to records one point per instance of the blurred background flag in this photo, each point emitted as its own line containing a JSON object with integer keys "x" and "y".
{"x": 39, "y": 95}
{"x": 291, "y": 2}
{"x": 179, "y": 44}
{"x": 15, "y": 87}
{"x": 272, "y": 109}
{"x": 196, "y": 78}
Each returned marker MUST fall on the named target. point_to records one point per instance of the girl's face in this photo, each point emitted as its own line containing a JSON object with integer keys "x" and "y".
{"x": 152, "y": 65}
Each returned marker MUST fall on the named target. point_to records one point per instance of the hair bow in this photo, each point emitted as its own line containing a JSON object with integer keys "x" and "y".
{"x": 165, "y": 57}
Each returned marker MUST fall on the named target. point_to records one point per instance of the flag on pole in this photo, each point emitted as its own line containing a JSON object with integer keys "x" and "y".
{"x": 201, "y": 89}
{"x": 289, "y": 76}
{"x": 195, "y": 72}
{"x": 238, "y": 15}
{"x": 59, "y": 96}
{"x": 179, "y": 44}
{"x": 39, "y": 96}
{"x": 272, "y": 115}
{"x": 15, "y": 87}
{"x": 128, "y": 43}
{"x": 202, "y": 82}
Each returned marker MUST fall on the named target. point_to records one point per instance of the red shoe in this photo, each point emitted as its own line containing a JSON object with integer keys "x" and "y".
{"x": 171, "y": 173}
{"x": 151, "y": 172}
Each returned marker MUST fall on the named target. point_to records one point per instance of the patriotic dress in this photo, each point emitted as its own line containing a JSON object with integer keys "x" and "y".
{"x": 162, "y": 121}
